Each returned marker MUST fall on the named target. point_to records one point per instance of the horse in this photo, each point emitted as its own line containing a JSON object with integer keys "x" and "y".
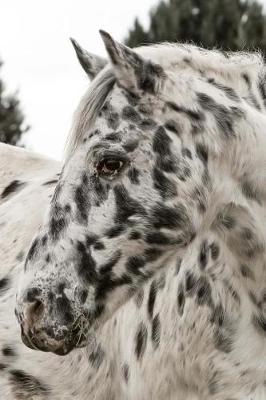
{"x": 137, "y": 270}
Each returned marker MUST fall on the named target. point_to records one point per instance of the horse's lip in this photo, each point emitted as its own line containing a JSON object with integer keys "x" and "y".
{"x": 61, "y": 348}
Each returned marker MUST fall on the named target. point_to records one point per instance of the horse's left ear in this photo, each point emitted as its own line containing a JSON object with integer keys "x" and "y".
{"x": 132, "y": 71}
{"x": 91, "y": 63}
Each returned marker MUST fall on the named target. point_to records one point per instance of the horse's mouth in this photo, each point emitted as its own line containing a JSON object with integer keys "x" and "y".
{"x": 43, "y": 342}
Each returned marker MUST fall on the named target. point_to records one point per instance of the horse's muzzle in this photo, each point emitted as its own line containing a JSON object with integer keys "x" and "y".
{"x": 40, "y": 340}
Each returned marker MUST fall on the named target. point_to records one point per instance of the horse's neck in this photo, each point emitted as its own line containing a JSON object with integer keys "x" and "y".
{"x": 236, "y": 210}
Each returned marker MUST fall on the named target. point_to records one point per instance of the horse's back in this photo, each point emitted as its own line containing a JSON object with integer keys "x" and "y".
{"x": 26, "y": 182}
{"x": 19, "y": 167}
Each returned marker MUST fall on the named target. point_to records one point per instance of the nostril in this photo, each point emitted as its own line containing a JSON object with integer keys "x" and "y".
{"x": 32, "y": 294}
{"x": 36, "y": 309}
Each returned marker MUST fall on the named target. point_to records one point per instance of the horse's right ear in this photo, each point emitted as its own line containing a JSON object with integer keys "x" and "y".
{"x": 91, "y": 63}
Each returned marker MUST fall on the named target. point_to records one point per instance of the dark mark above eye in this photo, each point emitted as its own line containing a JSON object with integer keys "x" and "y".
{"x": 13, "y": 187}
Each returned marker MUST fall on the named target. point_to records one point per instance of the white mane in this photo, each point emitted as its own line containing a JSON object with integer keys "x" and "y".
{"x": 228, "y": 66}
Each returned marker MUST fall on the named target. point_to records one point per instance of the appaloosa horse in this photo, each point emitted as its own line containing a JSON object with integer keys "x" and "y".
{"x": 148, "y": 270}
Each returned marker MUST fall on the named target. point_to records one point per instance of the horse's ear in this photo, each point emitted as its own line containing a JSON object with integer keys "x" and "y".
{"x": 132, "y": 71}
{"x": 91, "y": 63}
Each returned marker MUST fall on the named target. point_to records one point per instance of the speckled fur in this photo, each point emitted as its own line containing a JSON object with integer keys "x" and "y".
{"x": 165, "y": 263}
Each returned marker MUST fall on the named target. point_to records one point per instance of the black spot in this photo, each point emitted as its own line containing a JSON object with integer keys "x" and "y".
{"x": 228, "y": 91}
{"x": 33, "y": 294}
{"x": 190, "y": 283}
{"x": 152, "y": 254}
{"x": 130, "y": 146}
{"x": 4, "y": 285}
{"x": 13, "y": 187}
{"x": 147, "y": 75}
{"x": 203, "y": 255}
{"x": 223, "y": 116}
{"x": 223, "y": 341}
{"x": 215, "y": 251}
{"x": 115, "y": 231}
{"x": 83, "y": 295}
{"x": 202, "y": 152}
{"x": 51, "y": 182}
{"x": 113, "y": 137}
{"x": 56, "y": 227}
{"x": 260, "y": 324}
{"x": 134, "y": 235}
{"x": 107, "y": 281}
{"x": 164, "y": 185}
{"x": 204, "y": 294}
{"x": 180, "y": 300}
{"x": 7, "y": 351}
{"x": 33, "y": 249}
{"x": 100, "y": 188}
{"x": 98, "y": 245}
{"x": 172, "y": 126}
{"x": 125, "y": 205}
{"x": 44, "y": 240}
{"x": 134, "y": 264}
{"x": 218, "y": 316}
{"x": 112, "y": 120}
{"x": 147, "y": 124}
{"x": 91, "y": 239}
{"x": 85, "y": 265}
{"x": 130, "y": 114}
{"x": 158, "y": 238}
{"x": 82, "y": 204}
{"x": 246, "y": 272}
{"x": 250, "y": 191}
{"x": 96, "y": 357}
{"x": 168, "y": 217}
{"x": 262, "y": 87}
{"x": 67, "y": 208}
{"x": 64, "y": 310}
{"x": 152, "y": 298}
{"x": 161, "y": 142}
{"x": 109, "y": 265}
{"x": 141, "y": 340}
{"x": 27, "y": 386}
{"x": 246, "y": 79}
{"x": 193, "y": 115}
{"x": 178, "y": 265}
{"x": 133, "y": 175}
{"x": 125, "y": 372}
{"x": 156, "y": 331}
{"x": 131, "y": 97}
{"x": 186, "y": 153}
{"x": 162, "y": 147}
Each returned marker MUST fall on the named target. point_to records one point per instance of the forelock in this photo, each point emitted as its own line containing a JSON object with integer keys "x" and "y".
{"x": 88, "y": 108}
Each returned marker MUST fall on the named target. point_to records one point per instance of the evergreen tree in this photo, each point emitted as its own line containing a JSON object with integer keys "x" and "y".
{"x": 12, "y": 124}
{"x": 225, "y": 24}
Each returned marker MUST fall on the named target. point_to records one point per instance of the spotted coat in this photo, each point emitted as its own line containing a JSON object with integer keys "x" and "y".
{"x": 147, "y": 271}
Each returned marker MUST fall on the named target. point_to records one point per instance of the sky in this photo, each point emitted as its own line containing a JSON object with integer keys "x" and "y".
{"x": 39, "y": 60}
{"x": 40, "y": 64}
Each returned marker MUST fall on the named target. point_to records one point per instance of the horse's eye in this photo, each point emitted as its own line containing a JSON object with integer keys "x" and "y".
{"x": 109, "y": 166}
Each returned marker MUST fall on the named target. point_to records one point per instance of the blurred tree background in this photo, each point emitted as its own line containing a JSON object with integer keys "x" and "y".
{"x": 224, "y": 24}
{"x": 12, "y": 124}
